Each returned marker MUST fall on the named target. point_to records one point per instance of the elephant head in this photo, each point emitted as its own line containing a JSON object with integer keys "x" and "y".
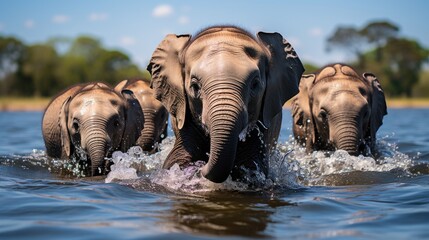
{"x": 155, "y": 114}
{"x": 221, "y": 82}
{"x": 338, "y": 109}
{"x": 96, "y": 121}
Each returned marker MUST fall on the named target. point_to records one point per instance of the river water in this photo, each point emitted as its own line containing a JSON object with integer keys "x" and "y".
{"x": 321, "y": 195}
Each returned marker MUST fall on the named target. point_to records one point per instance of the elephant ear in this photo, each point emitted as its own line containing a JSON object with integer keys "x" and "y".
{"x": 284, "y": 74}
{"x": 118, "y": 88}
{"x": 63, "y": 121}
{"x": 378, "y": 105}
{"x": 303, "y": 124}
{"x": 167, "y": 75}
{"x": 134, "y": 120}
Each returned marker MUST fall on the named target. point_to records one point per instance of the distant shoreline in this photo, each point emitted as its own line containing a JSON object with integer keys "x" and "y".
{"x": 13, "y": 104}
{"x": 39, "y": 104}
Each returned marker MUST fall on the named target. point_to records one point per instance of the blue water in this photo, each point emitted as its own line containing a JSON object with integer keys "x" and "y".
{"x": 311, "y": 196}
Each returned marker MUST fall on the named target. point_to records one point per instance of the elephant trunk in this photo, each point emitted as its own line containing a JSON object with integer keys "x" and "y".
{"x": 347, "y": 136}
{"x": 97, "y": 146}
{"x": 149, "y": 135}
{"x": 226, "y": 120}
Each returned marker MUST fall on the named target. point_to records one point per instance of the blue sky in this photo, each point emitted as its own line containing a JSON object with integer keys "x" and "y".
{"x": 136, "y": 27}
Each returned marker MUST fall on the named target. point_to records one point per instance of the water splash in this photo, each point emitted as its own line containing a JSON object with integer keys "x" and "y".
{"x": 289, "y": 167}
{"x": 315, "y": 167}
{"x": 283, "y": 173}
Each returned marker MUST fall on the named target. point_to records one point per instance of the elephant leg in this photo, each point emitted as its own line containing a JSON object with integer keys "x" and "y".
{"x": 190, "y": 146}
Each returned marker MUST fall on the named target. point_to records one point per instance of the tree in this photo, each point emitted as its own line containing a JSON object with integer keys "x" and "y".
{"x": 39, "y": 65}
{"x": 358, "y": 41}
{"x": 403, "y": 63}
{"x": 351, "y": 40}
{"x": 11, "y": 53}
{"x": 379, "y": 33}
{"x": 310, "y": 68}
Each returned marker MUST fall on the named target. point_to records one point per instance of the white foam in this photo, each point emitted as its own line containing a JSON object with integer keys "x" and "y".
{"x": 289, "y": 167}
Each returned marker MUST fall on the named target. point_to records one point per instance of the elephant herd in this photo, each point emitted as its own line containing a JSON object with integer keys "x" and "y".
{"x": 224, "y": 90}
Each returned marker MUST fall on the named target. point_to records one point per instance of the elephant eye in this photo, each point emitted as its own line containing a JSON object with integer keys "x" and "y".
{"x": 323, "y": 114}
{"x": 116, "y": 123}
{"x": 195, "y": 88}
{"x": 75, "y": 125}
{"x": 300, "y": 120}
{"x": 255, "y": 84}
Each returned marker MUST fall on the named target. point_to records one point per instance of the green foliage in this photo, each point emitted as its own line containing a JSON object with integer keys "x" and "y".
{"x": 310, "y": 68}
{"x": 41, "y": 70}
{"x": 421, "y": 89}
{"x": 11, "y": 53}
{"x": 395, "y": 60}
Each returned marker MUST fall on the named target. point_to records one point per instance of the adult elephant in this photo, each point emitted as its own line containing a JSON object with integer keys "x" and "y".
{"x": 155, "y": 114}
{"x": 89, "y": 122}
{"x": 338, "y": 109}
{"x": 221, "y": 86}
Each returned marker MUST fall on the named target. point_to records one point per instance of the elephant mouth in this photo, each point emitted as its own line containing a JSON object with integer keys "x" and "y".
{"x": 151, "y": 147}
{"x": 84, "y": 161}
{"x": 246, "y": 132}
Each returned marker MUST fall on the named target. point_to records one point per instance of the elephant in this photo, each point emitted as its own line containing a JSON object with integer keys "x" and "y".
{"x": 90, "y": 121}
{"x": 338, "y": 109}
{"x": 224, "y": 90}
{"x": 155, "y": 114}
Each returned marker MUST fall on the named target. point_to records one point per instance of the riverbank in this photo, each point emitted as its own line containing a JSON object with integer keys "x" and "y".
{"x": 39, "y": 104}
{"x": 23, "y": 104}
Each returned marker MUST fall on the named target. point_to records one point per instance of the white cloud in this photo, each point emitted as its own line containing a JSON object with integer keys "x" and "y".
{"x": 29, "y": 23}
{"x": 162, "y": 10}
{"x": 60, "y": 19}
{"x": 315, "y": 32}
{"x": 126, "y": 41}
{"x": 98, "y": 17}
{"x": 183, "y": 20}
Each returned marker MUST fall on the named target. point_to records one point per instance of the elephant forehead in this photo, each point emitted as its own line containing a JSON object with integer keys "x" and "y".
{"x": 228, "y": 42}
{"x": 95, "y": 103}
{"x": 140, "y": 88}
{"x": 331, "y": 87}
{"x": 139, "y": 85}
{"x": 337, "y": 71}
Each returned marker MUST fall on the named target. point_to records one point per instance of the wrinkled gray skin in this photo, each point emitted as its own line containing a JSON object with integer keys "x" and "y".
{"x": 338, "y": 109}
{"x": 91, "y": 121}
{"x": 155, "y": 114}
{"x": 221, "y": 83}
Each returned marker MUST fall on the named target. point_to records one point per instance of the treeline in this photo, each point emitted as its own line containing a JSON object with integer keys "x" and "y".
{"x": 46, "y": 68}
{"x": 43, "y": 69}
{"x": 397, "y": 61}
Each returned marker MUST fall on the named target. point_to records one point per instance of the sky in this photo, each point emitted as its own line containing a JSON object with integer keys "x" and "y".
{"x": 137, "y": 27}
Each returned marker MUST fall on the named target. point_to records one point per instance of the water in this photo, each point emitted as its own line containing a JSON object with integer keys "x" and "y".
{"x": 307, "y": 196}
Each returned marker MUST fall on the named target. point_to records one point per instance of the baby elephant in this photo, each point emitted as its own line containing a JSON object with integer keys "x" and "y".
{"x": 155, "y": 114}
{"x": 89, "y": 122}
{"x": 338, "y": 109}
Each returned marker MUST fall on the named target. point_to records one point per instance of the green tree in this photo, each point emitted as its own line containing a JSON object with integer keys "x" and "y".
{"x": 88, "y": 61}
{"x": 310, "y": 68}
{"x": 358, "y": 41}
{"x": 11, "y": 54}
{"x": 421, "y": 89}
{"x": 39, "y": 65}
{"x": 379, "y": 33}
{"x": 403, "y": 63}
{"x": 351, "y": 40}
